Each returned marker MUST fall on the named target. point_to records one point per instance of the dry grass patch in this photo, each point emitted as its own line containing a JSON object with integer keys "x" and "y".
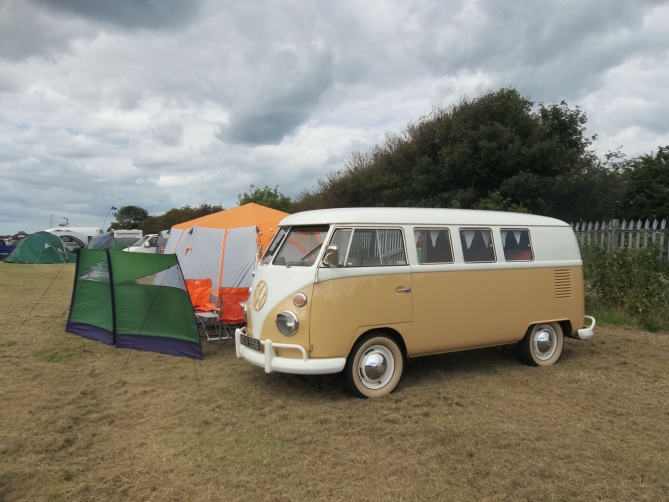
{"x": 83, "y": 421}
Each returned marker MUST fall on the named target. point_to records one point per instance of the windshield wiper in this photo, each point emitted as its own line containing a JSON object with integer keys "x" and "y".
{"x": 317, "y": 247}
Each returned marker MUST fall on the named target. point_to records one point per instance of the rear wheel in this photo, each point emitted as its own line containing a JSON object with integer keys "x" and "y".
{"x": 542, "y": 345}
{"x": 374, "y": 366}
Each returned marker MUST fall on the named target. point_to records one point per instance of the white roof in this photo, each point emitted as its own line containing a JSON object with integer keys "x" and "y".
{"x": 416, "y": 216}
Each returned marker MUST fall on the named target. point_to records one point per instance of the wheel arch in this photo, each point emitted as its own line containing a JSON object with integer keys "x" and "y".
{"x": 392, "y": 333}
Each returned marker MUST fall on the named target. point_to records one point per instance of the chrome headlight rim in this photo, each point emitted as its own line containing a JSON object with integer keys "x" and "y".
{"x": 291, "y": 316}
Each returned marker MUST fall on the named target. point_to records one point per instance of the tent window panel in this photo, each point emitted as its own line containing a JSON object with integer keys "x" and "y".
{"x": 477, "y": 245}
{"x": 433, "y": 245}
{"x": 376, "y": 247}
{"x": 517, "y": 244}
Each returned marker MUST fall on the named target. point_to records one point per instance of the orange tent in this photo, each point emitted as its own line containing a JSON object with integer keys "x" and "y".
{"x": 263, "y": 218}
{"x": 224, "y": 247}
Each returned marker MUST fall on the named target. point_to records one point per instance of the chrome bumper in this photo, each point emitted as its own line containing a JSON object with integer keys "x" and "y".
{"x": 271, "y": 362}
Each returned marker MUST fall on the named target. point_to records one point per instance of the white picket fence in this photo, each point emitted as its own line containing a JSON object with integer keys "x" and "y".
{"x": 626, "y": 234}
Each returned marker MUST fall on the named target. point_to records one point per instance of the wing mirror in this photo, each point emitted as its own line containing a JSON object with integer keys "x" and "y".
{"x": 331, "y": 258}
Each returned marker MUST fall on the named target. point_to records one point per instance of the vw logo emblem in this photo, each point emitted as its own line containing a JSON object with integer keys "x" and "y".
{"x": 259, "y": 296}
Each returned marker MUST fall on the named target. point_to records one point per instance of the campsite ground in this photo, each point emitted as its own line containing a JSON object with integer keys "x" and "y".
{"x": 83, "y": 421}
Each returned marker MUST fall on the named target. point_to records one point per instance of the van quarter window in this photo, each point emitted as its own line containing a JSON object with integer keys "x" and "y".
{"x": 376, "y": 247}
{"x": 477, "y": 245}
{"x": 433, "y": 245}
{"x": 301, "y": 246}
{"x": 517, "y": 244}
{"x": 341, "y": 239}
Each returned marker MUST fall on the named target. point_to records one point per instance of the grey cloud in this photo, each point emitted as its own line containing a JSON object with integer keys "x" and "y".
{"x": 169, "y": 133}
{"x": 26, "y": 31}
{"x": 151, "y": 14}
{"x": 284, "y": 99}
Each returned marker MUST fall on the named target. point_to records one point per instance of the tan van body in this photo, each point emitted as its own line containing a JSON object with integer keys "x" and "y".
{"x": 424, "y": 307}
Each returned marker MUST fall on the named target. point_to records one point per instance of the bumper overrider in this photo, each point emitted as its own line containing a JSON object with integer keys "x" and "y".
{"x": 587, "y": 333}
{"x": 271, "y": 362}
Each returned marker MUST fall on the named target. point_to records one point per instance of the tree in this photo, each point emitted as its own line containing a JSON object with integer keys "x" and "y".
{"x": 495, "y": 151}
{"x": 647, "y": 184}
{"x": 268, "y": 197}
{"x": 165, "y": 221}
{"x": 129, "y": 218}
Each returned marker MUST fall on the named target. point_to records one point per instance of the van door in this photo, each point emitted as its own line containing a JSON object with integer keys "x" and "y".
{"x": 370, "y": 288}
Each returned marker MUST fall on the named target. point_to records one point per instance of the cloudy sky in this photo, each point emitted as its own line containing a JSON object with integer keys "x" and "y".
{"x": 162, "y": 103}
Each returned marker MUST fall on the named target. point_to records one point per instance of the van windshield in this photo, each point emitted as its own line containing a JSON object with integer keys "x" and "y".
{"x": 301, "y": 246}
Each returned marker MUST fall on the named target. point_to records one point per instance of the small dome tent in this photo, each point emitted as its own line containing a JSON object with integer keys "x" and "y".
{"x": 39, "y": 248}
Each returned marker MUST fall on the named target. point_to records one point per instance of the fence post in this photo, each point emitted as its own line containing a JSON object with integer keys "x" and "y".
{"x": 589, "y": 232}
{"x": 662, "y": 232}
{"x": 622, "y": 235}
{"x": 596, "y": 232}
{"x": 638, "y": 234}
{"x": 614, "y": 233}
{"x": 645, "y": 234}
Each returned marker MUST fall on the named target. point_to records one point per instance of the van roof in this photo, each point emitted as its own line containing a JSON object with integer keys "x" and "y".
{"x": 416, "y": 216}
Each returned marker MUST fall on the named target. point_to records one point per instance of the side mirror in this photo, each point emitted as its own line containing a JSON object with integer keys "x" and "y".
{"x": 146, "y": 244}
{"x": 331, "y": 258}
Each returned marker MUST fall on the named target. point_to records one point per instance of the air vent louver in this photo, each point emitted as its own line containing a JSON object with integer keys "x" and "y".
{"x": 562, "y": 282}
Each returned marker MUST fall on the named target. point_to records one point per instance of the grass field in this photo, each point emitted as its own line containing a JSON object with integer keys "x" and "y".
{"x": 83, "y": 421}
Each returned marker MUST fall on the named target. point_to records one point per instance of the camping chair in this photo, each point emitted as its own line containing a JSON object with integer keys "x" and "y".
{"x": 206, "y": 313}
{"x": 231, "y": 301}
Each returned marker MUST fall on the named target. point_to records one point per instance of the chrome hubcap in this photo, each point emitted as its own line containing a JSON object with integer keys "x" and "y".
{"x": 544, "y": 342}
{"x": 376, "y": 367}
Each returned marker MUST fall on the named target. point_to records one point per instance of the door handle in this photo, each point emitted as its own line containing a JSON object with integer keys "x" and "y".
{"x": 403, "y": 290}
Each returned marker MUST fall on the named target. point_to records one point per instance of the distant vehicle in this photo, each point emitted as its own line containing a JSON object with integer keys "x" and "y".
{"x": 128, "y": 234}
{"x": 72, "y": 243}
{"x": 146, "y": 244}
{"x": 5, "y": 249}
{"x": 75, "y": 238}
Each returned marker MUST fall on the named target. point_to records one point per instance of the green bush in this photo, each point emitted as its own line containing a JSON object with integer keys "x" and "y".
{"x": 623, "y": 284}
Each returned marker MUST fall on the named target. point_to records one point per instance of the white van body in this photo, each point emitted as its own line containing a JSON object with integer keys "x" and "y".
{"x": 147, "y": 244}
{"x": 128, "y": 234}
{"x": 410, "y": 282}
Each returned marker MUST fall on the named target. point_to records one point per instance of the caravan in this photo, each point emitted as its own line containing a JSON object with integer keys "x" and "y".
{"x": 361, "y": 290}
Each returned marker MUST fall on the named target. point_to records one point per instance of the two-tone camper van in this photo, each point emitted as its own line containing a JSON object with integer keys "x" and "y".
{"x": 359, "y": 290}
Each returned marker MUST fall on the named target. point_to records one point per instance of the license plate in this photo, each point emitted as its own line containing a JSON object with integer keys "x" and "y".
{"x": 251, "y": 343}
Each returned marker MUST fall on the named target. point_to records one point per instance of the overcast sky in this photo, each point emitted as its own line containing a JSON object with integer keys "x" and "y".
{"x": 162, "y": 103}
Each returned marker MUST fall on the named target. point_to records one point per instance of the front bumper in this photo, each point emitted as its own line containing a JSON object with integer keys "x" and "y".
{"x": 587, "y": 333}
{"x": 269, "y": 360}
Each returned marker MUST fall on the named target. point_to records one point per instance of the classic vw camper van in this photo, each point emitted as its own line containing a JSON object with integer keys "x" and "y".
{"x": 359, "y": 290}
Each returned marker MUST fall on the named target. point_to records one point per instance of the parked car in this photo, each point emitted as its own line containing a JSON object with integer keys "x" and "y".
{"x": 146, "y": 244}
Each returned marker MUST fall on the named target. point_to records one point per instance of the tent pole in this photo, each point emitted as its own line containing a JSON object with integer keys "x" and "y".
{"x": 113, "y": 301}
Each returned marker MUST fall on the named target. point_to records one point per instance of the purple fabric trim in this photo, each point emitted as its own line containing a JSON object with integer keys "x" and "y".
{"x": 91, "y": 332}
{"x": 163, "y": 345}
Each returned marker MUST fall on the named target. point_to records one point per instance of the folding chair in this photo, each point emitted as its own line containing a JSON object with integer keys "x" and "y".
{"x": 231, "y": 301}
{"x": 206, "y": 313}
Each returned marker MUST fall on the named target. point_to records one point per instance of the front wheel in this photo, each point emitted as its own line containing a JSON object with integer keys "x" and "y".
{"x": 542, "y": 345}
{"x": 374, "y": 366}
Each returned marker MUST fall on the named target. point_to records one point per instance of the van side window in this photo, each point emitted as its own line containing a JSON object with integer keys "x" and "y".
{"x": 517, "y": 244}
{"x": 477, "y": 245}
{"x": 376, "y": 247}
{"x": 341, "y": 239}
{"x": 433, "y": 245}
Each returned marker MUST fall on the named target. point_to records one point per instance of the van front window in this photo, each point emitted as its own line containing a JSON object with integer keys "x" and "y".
{"x": 274, "y": 245}
{"x": 301, "y": 246}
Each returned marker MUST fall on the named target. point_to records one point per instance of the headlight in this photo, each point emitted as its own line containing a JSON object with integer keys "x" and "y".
{"x": 287, "y": 322}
